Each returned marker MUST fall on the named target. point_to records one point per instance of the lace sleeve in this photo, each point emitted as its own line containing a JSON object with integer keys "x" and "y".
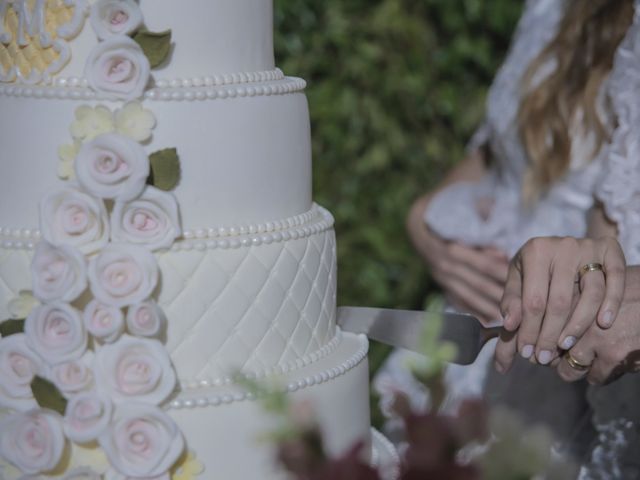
{"x": 619, "y": 186}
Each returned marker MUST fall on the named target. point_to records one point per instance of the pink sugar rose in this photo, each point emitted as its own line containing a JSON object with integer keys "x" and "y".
{"x": 142, "y": 441}
{"x": 118, "y": 68}
{"x": 151, "y": 220}
{"x": 73, "y": 377}
{"x": 87, "y": 416}
{"x": 146, "y": 320}
{"x": 33, "y": 441}
{"x": 112, "y": 166}
{"x": 71, "y": 217}
{"x": 18, "y": 365}
{"x": 123, "y": 275}
{"x": 58, "y": 273}
{"x": 115, "y": 17}
{"x": 135, "y": 369}
{"x": 56, "y": 332}
{"x": 104, "y": 323}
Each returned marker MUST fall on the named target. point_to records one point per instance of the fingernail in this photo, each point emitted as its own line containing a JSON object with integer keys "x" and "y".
{"x": 545, "y": 356}
{"x": 607, "y": 318}
{"x": 568, "y": 342}
{"x": 527, "y": 351}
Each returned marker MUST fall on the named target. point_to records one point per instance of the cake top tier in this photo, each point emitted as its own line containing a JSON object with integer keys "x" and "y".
{"x": 41, "y": 40}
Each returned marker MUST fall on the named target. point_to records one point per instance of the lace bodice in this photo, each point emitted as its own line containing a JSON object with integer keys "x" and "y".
{"x": 613, "y": 177}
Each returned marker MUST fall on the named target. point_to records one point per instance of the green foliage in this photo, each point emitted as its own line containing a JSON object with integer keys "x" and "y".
{"x": 165, "y": 169}
{"x": 155, "y": 45}
{"x": 47, "y": 395}
{"x": 396, "y": 87}
{"x": 11, "y": 327}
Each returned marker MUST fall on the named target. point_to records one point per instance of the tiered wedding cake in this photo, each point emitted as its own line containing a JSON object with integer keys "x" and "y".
{"x": 157, "y": 234}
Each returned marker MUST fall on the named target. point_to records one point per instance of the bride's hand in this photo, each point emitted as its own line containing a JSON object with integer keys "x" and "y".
{"x": 545, "y": 308}
{"x": 472, "y": 278}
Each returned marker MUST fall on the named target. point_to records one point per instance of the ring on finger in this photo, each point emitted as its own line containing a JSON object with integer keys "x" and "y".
{"x": 575, "y": 364}
{"x": 589, "y": 267}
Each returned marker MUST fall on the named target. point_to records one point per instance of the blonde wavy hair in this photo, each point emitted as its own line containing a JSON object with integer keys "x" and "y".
{"x": 583, "y": 52}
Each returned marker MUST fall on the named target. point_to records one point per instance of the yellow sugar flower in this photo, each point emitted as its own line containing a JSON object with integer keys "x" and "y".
{"x": 67, "y": 155}
{"x": 91, "y": 122}
{"x": 21, "y": 306}
{"x": 188, "y": 468}
{"x": 135, "y": 122}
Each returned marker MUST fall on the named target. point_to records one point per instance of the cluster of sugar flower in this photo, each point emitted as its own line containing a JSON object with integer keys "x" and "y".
{"x": 95, "y": 336}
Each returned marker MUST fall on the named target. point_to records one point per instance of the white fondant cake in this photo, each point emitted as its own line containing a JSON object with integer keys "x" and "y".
{"x": 243, "y": 273}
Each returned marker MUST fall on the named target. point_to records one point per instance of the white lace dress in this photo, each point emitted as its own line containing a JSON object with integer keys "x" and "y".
{"x": 613, "y": 178}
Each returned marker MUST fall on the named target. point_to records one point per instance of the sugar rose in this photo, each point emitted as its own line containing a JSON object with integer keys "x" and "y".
{"x": 87, "y": 416}
{"x": 146, "y": 320}
{"x": 123, "y": 275}
{"x": 33, "y": 441}
{"x": 115, "y": 17}
{"x": 118, "y": 68}
{"x": 104, "y": 323}
{"x": 58, "y": 273}
{"x": 142, "y": 441}
{"x": 71, "y": 217}
{"x": 151, "y": 221}
{"x": 56, "y": 332}
{"x": 19, "y": 363}
{"x": 73, "y": 377}
{"x": 112, "y": 166}
{"x": 135, "y": 369}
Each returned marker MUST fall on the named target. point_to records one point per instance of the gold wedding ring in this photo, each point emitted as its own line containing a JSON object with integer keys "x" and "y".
{"x": 575, "y": 364}
{"x": 590, "y": 267}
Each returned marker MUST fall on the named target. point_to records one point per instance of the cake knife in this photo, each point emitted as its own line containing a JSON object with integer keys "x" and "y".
{"x": 403, "y": 329}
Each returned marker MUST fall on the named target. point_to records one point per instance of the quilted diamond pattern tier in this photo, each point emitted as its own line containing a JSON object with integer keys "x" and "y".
{"x": 251, "y": 308}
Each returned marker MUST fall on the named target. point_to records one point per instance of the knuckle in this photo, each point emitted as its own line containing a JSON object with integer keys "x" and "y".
{"x": 559, "y": 304}
{"x": 534, "y": 305}
{"x": 572, "y": 244}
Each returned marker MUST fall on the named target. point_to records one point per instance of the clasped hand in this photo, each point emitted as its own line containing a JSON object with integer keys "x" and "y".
{"x": 572, "y": 304}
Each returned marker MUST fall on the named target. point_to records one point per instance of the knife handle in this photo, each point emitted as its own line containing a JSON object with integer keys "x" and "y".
{"x": 487, "y": 333}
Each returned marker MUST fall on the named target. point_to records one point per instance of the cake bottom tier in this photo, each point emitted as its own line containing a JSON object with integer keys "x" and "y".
{"x": 225, "y": 427}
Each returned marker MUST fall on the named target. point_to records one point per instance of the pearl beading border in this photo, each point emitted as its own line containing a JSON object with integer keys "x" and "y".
{"x": 313, "y": 222}
{"x": 390, "y": 471}
{"x": 291, "y": 387}
{"x": 282, "y": 87}
{"x": 203, "y": 81}
{"x": 288, "y": 367}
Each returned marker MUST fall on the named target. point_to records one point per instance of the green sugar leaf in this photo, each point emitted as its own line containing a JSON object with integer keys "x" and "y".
{"x": 165, "y": 169}
{"x": 11, "y": 327}
{"x": 155, "y": 45}
{"x": 47, "y": 395}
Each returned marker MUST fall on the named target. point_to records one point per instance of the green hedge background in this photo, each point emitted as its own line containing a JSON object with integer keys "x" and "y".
{"x": 395, "y": 88}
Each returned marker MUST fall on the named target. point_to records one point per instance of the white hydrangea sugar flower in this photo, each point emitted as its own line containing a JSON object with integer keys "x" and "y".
{"x": 105, "y": 323}
{"x": 19, "y": 364}
{"x": 135, "y": 369}
{"x": 66, "y": 159}
{"x": 122, "y": 275}
{"x": 91, "y": 122}
{"x": 56, "y": 332}
{"x": 71, "y": 217}
{"x": 115, "y": 17}
{"x": 118, "y": 69}
{"x": 112, "y": 166}
{"x": 87, "y": 416}
{"x": 142, "y": 441}
{"x": 73, "y": 377}
{"x": 58, "y": 273}
{"x": 151, "y": 221}
{"x": 21, "y": 306}
{"x": 135, "y": 122}
{"x": 146, "y": 320}
{"x": 33, "y": 441}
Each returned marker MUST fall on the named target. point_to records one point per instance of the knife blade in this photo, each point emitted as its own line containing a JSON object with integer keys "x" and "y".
{"x": 403, "y": 329}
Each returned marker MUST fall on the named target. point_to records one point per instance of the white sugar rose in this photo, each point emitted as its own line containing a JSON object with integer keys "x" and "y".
{"x": 151, "y": 221}
{"x": 33, "y": 441}
{"x": 58, "y": 273}
{"x": 91, "y": 122}
{"x": 56, "y": 332}
{"x": 87, "y": 416}
{"x": 146, "y": 320}
{"x": 135, "y": 369}
{"x": 103, "y": 322}
{"x": 123, "y": 275}
{"x": 112, "y": 166}
{"x": 142, "y": 441}
{"x": 83, "y": 473}
{"x": 73, "y": 377}
{"x": 135, "y": 122}
{"x": 18, "y": 365}
{"x": 115, "y": 17}
{"x": 71, "y": 217}
{"x": 118, "y": 68}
